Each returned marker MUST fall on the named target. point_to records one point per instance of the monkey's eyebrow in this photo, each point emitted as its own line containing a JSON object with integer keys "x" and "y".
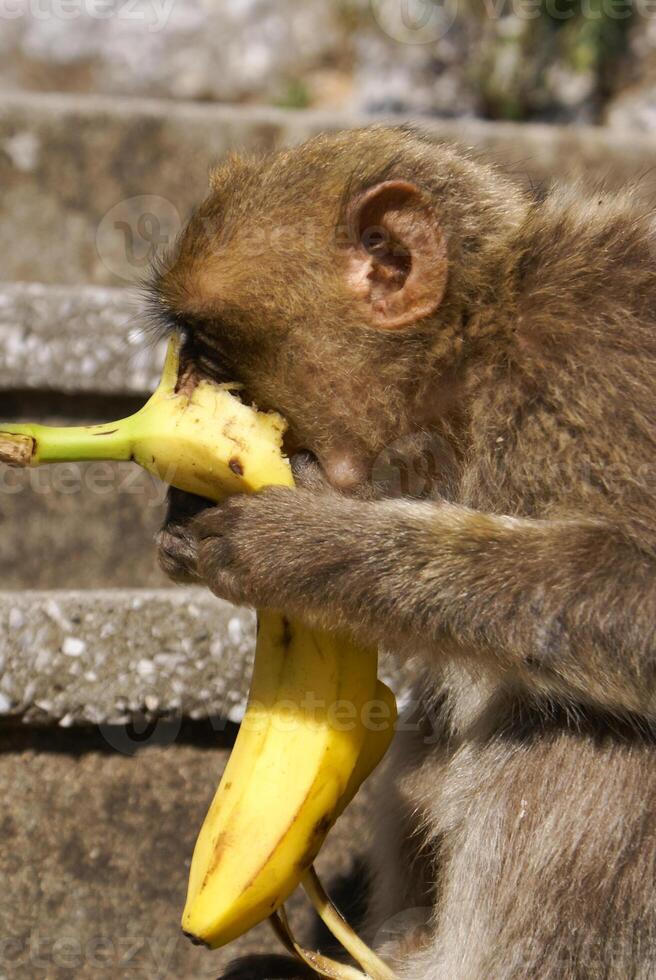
{"x": 163, "y": 322}
{"x": 162, "y": 319}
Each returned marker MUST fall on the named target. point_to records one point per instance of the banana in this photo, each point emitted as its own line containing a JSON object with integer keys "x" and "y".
{"x": 303, "y": 748}
{"x": 197, "y": 437}
{"x": 375, "y": 745}
{"x": 291, "y": 785}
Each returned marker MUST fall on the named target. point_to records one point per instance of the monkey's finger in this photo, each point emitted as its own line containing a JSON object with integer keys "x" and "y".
{"x": 218, "y": 570}
{"x": 220, "y": 521}
{"x": 177, "y": 553}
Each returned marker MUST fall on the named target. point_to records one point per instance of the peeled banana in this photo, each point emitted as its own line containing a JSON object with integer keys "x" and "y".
{"x": 304, "y": 745}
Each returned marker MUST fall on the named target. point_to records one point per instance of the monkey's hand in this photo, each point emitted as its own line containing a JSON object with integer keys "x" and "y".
{"x": 176, "y": 543}
{"x": 297, "y": 550}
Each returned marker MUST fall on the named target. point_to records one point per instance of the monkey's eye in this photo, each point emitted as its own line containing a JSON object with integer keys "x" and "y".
{"x": 208, "y": 359}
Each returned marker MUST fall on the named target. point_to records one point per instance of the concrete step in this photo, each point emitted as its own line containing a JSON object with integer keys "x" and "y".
{"x": 76, "y": 354}
{"x": 80, "y": 526}
{"x": 105, "y": 791}
{"x": 79, "y": 173}
{"x": 106, "y": 657}
{"x": 76, "y": 340}
{"x": 95, "y": 855}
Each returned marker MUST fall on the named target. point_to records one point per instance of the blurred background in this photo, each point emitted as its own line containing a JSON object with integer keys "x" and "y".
{"x": 555, "y": 60}
{"x": 120, "y": 696}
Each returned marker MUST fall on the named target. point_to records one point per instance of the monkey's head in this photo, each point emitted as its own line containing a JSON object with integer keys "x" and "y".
{"x": 341, "y": 283}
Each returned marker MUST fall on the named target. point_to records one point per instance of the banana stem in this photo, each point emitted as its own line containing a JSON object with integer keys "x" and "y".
{"x": 322, "y": 965}
{"x": 31, "y": 444}
{"x": 341, "y": 930}
{"x": 16, "y": 449}
{"x": 65, "y": 444}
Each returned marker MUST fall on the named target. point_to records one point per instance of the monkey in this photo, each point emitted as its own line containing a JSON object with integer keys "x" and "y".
{"x": 397, "y": 298}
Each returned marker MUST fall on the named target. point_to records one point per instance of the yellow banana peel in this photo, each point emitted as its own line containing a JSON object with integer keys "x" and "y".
{"x": 196, "y": 436}
{"x": 305, "y": 744}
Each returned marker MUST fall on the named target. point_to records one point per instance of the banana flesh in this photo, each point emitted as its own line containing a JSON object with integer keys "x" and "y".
{"x": 303, "y": 748}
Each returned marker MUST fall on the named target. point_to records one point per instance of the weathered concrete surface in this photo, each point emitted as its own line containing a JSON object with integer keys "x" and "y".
{"x": 67, "y": 162}
{"x": 78, "y": 340}
{"x": 80, "y": 526}
{"x": 106, "y": 656}
{"x": 67, "y": 352}
{"x": 95, "y": 857}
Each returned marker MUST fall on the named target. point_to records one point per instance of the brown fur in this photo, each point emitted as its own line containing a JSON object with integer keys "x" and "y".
{"x": 525, "y": 828}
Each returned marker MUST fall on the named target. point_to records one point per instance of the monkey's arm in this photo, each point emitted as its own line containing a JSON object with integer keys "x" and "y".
{"x": 570, "y": 606}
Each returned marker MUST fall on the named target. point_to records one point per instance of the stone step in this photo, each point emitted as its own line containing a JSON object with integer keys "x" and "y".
{"x": 76, "y": 354}
{"x": 90, "y": 183}
{"x": 80, "y": 526}
{"x": 76, "y": 340}
{"x": 99, "y": 821}
{"x": 96, "y": 846}
{"x": 108, "y": 657}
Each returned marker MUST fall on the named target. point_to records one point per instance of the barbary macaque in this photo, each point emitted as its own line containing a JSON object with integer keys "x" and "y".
{"x": 396, "y": 299}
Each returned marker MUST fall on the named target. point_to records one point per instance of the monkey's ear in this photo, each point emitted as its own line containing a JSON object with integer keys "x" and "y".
{"x": 397, "y": 258}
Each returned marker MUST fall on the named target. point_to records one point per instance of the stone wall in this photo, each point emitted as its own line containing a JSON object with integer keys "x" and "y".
{"x": 503, "y": 59}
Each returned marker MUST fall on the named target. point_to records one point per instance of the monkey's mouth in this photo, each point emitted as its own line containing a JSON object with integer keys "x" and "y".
{"x": 291, "y": 445}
